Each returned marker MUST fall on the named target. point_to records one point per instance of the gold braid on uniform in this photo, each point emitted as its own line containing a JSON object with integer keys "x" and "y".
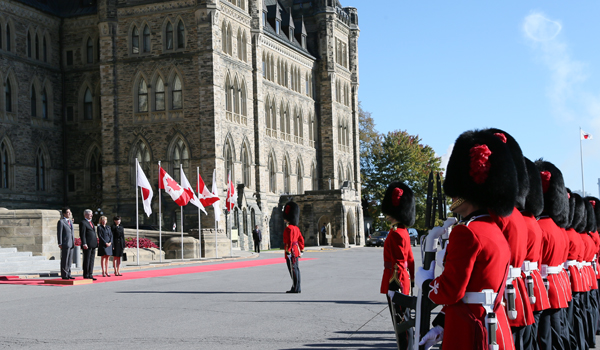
{"x": 394, "y": 281}
{"x": 457, "y": 203}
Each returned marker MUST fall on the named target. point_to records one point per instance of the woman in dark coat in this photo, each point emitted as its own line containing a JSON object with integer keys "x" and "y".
{"x": 105, "y": 249}
{"x": 119, "y": 244}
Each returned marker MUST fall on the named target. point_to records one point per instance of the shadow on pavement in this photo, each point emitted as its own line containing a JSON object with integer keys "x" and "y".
{"x": 190, "y": 292}
{"x": 356, "y": 340}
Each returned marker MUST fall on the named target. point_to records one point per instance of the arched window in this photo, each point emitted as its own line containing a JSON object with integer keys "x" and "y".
{"x": 273, "y": 113}
{"x": 40, "y": 171}
{"x": 180, "y": 158}
{"x": 180, "y": 35}
{"x": 88, "y": 109}
{"x": 229, "y": 162}
{"x": 142, "y": 96}
{"x": 245, "y": 166}
{"x": 236, "y": 97}
{"x": 8, "y": 96}
{"x": 90, "y": 51}
{"x": 315, "y": 180}
{"x": 272, "y": 178}
{"x": 228, "y": 95}
{"x": 33, "y": 101}
{"x": 267, "y": 113}
{"x": 286, "y": 176}
{"x": 244, "y": 45}
{"x": 8, "y": 42}
{"x": 177, "y": 97}
{"x": 297, "y": 122}
{"x": 347, "y": 135}
{"x": 4, "y": 165}
{"x": 95, "y": 169}
{"x": 146, "y": 38}
{"x": 243, "y": 109}
{"x": 224, "y": 37}
{"x": 45, "y": 49}
{"x": 283, "y": 116}
{"x": 28, "y": 45}
{"x": 135, "y": 40}
{"x": 264, "y": 66}
{"x": 287, "y": 120}
{"x": 300, "y": 178}
{"x": 142, "y": 153}
{"x": 169, "y": 35}
{"x": 159, "y": 95}
{"x": 272, "y": 68}
{"x": 229, "y": 40}
{"x": 37, "y": 47}
{"x": 239, "y": 43}
{"x": 311, "y": 132}
{"x": 44, "y": 104}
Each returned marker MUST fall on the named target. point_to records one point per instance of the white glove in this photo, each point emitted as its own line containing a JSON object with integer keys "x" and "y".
{"x": 423, "y": 275}
{"x": 437, "y": 232}
{"x": 432, "y": 337}
{"x": 289, "y": 256}
{"x": 439, "y": 257}
{"x": 391, "y": 294}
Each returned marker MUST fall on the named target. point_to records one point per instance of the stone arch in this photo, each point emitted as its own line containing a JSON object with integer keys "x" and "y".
{"x": 179, "y": 149}
{"x": 131, "y": 32}
{"x": 36, "y": 89}
{"x": 158, "y": 97}
{"x": 47, "y": 86}
{"x": 272, "y": 171}
{"x": 180, "y": 33}
{"x": 299, "y": 175}
{"x": 324, "y": 238}
{"x": 168, "y": 34}
{"x": 85, "y": 47}
{"x": 229, "y": 146}
{"x": 93, "y": 165}
{"x": 138, "y": 103}
{"x": 81, "y": 99}
{"x": 172, "y": 99}
{"x": 140, "y": 148}
{"x": 7, "y": 162}
{"x": 9, "y": 36}
{"x": 351, "y": 226}
{"x": 42, "y": 167}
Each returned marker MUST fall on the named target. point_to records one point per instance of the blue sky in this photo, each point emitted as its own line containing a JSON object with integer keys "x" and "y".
{"x": 531, "y": 68}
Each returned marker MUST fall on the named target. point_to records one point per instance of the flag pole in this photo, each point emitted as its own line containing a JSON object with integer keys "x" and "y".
{"x": 214, "y": 207}
{"x": 181, "y": 169}
{"x": 159, "y": 217}
{"x": 581, "y": 155}
{"x": 137, "y": 215}
{"x": 199, "y": 217}
{"x": 216, "y": 228}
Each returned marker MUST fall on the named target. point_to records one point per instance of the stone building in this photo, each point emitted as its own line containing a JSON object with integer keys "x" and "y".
{"x": 263, "y": 89}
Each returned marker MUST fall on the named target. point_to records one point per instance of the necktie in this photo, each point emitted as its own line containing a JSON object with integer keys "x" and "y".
{"x": 70, "y": 225}
{"x": 91, "y": 223}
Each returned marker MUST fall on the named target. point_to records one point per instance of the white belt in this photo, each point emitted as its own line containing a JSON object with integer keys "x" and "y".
{"x": 571, "y": 263}
{"x": 586, "y": 263}
{"x": 579, "y": 265}
{"x": 486, "y": 297}
{"x": 552, "y": 270}
{"x": 514, "y": 272}
{"x": 529, "y": 266}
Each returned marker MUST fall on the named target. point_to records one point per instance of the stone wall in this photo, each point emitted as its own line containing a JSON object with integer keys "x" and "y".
{"x": 30, "y": 230}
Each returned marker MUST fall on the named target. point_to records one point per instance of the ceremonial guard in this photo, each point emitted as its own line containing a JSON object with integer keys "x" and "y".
{"x": 480, "y": 178}
{"x": 514, "y": 229}
{"x": 589, "y": 273}
{"x": 595, "y": 202}
{"x": 293, "y": 243}
{"x": 398, "y": 206}
{"x": 554, "y": 253}
{"x": 534, "y": 204}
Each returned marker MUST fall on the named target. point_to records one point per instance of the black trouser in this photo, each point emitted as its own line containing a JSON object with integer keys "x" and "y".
{"x": 406, "y": 339}
{"x": 88, "y": 262}
{"x": 66, "y": 260}
{"x": 257, "y": 246}
{"x": 534, "y": 330}
{"x": 549, "y": 330}
{"x": 565, "y": 328}
{"x": 577, "y": 323}
{"x": 518, "y": 333}
{"x": 591, "y": 308}
{"x": 294, "y": 270}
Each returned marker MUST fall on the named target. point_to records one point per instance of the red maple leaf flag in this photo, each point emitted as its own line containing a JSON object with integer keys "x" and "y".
{"x": 231, "y": 194}
{"x": 166, "y": 182}
{"x": 205, "y": 196}
{"x": 215, "y": 191}
{"x": 585, "y": 135}
{"x": 190, "y": 191}
{"x": 147, "y": 192}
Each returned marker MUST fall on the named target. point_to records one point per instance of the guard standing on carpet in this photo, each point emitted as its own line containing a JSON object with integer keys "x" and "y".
{"x": 480, "y": 178}
{"x": 554, "y": 216}
{"x": 398, "y": 206}
{"x": 293, "y": 243}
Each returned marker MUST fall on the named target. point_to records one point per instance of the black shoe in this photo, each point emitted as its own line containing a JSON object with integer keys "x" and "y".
{"x": 65, "y": 278}
{"x": 291, "y": 291}
{"x": 71, "y": 277}
{"x": 94, "y": 279}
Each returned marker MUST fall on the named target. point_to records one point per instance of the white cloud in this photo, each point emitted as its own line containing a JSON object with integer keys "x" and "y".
{"x": 539, "y": 28}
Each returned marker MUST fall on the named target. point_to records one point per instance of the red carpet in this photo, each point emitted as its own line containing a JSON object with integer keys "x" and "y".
{"x": 132, "y": 275}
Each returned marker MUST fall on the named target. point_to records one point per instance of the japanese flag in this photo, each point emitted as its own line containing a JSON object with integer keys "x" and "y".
{"x": 147, "y": 192}
{"x": 585, "y": 135}
{"x": 205, "y": 196}
{"x": 171, "y": 186}
{"x": 231, "y": 194}
{"x": 190, "y": 192}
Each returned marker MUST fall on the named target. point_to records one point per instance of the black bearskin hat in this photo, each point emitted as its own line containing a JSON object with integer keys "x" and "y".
{"x": 520, "y": 167}
{"x": 591, "y": 217}
{"x": 556, "y": 202}
{"x": 570, "y": 222}
{"x": 482, "y": 172}
{"x": 291, "y": 213}
{"x": 595, "y": 202}
{"x": 534, "y": 203}
{"x": 579, "y": 215}
{"x": 399, "y": 203}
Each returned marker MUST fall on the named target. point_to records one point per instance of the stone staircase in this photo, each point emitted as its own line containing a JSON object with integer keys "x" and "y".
{"x": 14, "y": 262}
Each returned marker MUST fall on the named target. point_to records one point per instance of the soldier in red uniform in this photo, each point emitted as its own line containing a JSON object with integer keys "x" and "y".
{"x": 398, "y": 206}
{"x": 588, "y": 257}
{"x": 293, "y": 243}
{"x": 480, "y": 178}
{"x": 595, "y": 202}
{"x": 534, "y": 204}
{"x": 554, "y": 216}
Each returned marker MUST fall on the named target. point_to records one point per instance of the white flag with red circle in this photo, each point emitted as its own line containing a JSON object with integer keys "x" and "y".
{"x": 147, "y": 192}
{"x": 585, "y": 135}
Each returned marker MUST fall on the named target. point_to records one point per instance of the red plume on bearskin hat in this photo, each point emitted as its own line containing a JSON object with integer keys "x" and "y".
{"x": 518, "y": 159}
{"x": 595, "y": 202}
{"x": 556, "y": 202}
{"x": 481, "y": 171}
{"x": 291, "y": 213}
{"x": 579, "y": 214}
{"x": 534, "y": 202}
{"x": 399, "y": 203}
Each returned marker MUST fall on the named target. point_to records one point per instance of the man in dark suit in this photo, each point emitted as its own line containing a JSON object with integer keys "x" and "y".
{"x": 257, "y": 237}
{"x": 66, "y": 243}
{"x": 89, "y": 242}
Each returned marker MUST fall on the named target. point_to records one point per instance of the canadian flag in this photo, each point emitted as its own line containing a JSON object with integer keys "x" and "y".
{"x": 206, "y": 197}
{"x": 171, "y": 186}
{"x": 147, "y": 192}
{"x": 190, "y": 192}
{"x": 585, "y": 135}
{"x": 231, "y": 194}
{"x": 215, "y": 191}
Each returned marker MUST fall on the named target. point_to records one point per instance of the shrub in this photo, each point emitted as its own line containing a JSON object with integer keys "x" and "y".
{"x": 131, "y": 242}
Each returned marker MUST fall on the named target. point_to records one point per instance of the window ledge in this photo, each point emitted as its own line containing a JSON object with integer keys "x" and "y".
{"x": 158, "y": 116}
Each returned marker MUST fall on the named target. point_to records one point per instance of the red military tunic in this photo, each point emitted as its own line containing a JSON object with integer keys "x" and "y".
{"x": 514, "y": 229}
{"x": 596, "y": 238}
{"x": 588, "y": 256}
{"x": 477, "y": 258}
{"x": 552, "y": 255}
{"x": 293, "y": 240}
{"x": 397, "y": 250}
{"x": 534, "y": 254}
{"x": 563, "y": 274}
{"x": 575, "y": 254}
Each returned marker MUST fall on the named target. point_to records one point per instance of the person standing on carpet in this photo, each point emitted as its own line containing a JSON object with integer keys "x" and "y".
{"x": 89, "y": 242}
{"x": 66, "y": 243}
{"x": 105, "y": 249}
{"x": 293, "y": 243}
{"x": 118, "y": 244}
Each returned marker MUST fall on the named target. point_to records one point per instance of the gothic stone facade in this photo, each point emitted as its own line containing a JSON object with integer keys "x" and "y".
{"x": 264, "y": 90}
